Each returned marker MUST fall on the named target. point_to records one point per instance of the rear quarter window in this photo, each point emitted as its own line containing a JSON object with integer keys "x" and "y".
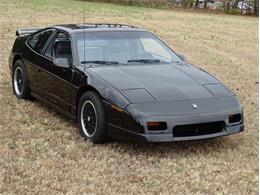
{"x": 38, "y": 41}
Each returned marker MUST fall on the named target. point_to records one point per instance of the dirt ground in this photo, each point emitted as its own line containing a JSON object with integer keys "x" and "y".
{"x": 42, "y": 152}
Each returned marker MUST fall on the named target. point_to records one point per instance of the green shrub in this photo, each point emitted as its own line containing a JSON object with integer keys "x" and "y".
{"x": 234, "y": 11}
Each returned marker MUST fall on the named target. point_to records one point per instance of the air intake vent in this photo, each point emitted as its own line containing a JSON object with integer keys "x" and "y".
{"x": 198, "y": 129}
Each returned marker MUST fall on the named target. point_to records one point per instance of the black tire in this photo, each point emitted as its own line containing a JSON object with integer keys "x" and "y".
{"x": 20, "y": 81}
{"x": 91, "y": 127}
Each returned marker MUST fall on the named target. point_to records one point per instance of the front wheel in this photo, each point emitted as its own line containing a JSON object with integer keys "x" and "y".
{"x": 91, "y": 117}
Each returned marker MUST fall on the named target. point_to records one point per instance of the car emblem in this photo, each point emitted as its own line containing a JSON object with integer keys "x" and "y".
{"x": 194, "y": 106}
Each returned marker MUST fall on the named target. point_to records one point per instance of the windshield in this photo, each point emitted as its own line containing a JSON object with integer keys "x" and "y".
{"x": 122, "y": 47}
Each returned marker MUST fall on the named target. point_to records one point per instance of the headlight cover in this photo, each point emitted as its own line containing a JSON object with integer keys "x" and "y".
{"x": 217, "y": 89}
{"x": 139, "y": 95}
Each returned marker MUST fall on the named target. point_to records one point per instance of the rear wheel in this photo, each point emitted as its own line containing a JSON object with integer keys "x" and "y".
{"x": 91, "y": 117}
{"x": 19, "y": 81}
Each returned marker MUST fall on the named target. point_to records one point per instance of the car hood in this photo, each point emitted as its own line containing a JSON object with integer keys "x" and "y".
{"x": 161, "y": 82}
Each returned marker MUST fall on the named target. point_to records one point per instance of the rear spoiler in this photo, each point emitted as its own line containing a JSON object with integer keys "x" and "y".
{"x": 26, "y": 31}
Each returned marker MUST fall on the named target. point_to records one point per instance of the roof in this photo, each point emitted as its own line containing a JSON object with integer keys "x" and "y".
{"x": 97, "y": 27}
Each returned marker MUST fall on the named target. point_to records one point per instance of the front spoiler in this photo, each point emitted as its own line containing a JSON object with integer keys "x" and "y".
{"x": 123, "y": 134}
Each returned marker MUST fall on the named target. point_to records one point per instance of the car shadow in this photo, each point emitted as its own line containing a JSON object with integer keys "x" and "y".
{"x": 180, "y": 148}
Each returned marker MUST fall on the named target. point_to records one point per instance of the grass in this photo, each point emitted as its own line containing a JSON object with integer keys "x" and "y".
{"x": 42, "y": 152}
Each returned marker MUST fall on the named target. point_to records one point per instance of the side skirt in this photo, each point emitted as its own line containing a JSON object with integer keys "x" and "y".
{"x": 59, "y": 109}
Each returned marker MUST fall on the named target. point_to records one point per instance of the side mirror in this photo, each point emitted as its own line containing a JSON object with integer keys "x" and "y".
{"x": 183, "y": 58}
{"x": 61, "y": 62}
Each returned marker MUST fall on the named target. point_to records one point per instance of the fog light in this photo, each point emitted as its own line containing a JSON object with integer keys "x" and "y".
{"x": 156, "y": 126}
{"x": 235, "y": 118}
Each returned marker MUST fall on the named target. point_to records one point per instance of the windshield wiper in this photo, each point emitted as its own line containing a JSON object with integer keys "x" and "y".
{"x": 144, "y": 60}
{"x": 99, "y": 62}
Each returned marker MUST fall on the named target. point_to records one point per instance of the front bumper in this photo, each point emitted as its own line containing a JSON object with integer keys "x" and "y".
{"x": 127, "y": 135}
{"x": 178, "y": 114}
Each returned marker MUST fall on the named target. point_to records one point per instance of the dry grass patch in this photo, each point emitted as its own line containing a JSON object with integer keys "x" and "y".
{"x": 42, "y": 152}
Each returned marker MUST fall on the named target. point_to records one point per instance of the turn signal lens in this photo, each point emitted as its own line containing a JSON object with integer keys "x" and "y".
{"x": 156, "y": 126}
{"x": 117, "y": 108}
{"x": 234, "y": 118}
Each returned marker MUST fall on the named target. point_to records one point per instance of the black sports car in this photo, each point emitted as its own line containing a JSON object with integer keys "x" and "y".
{"x": 122, "y": 82}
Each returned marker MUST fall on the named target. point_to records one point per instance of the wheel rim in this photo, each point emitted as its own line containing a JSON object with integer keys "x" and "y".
{"x": 18, "y": 81}
{"x": 88, "y": 118}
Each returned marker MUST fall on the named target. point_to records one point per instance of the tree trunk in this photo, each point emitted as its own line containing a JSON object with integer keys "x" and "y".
{"x": 227, "y": 6}
{"x": 256, "y": 8}
{"x": 205, "y": 4}
{"x": 196, "y": 4}
{"x": 235, "y": 4}
{"x": 242, "y": 6}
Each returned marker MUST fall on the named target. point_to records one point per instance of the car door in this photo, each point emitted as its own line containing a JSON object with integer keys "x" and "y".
{"x": 57, "y": 80}
{"x": 35, "y": 60}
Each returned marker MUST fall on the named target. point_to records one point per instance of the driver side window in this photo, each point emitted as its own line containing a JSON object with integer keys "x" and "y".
{"x": 60, "y": 47}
